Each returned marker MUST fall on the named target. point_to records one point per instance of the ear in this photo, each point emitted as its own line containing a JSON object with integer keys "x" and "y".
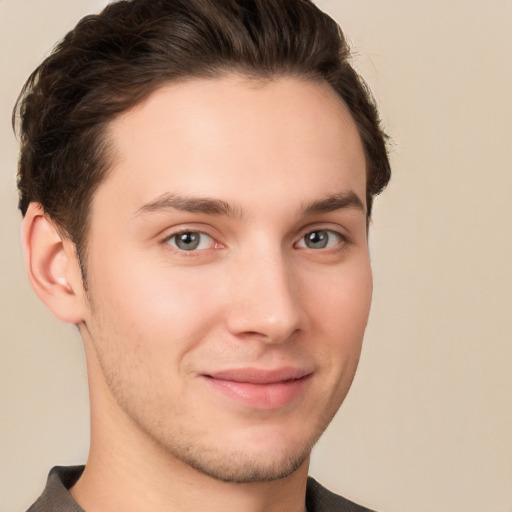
{"x": 52, "y": 266}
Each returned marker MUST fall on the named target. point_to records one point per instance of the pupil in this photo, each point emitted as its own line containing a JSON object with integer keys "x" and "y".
{"x": 317, "y": 239}
{"x": 187, "y": 241}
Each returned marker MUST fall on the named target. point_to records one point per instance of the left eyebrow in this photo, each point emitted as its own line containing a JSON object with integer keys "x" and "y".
{"x": 340, "y": 201}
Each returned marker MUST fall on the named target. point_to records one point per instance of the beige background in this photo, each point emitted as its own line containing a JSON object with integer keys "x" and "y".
{"x": 428, "y": 423}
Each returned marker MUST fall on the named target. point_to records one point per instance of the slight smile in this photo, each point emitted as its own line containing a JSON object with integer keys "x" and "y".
{"x": 261, "y": 389}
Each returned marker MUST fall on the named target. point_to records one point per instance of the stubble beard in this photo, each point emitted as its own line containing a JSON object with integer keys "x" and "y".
{"x": 224, "y": 462}
{"x": 239, "y": 467}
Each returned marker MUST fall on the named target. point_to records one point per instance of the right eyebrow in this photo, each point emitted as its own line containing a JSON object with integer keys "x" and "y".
{"x": 206, "y": 205}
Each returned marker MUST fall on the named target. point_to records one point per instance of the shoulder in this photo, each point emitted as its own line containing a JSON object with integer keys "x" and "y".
{"x": 56, "y": 497}
{"x": 319, "y": 499}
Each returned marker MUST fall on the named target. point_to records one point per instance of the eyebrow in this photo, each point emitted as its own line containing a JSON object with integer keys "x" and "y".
{"x": 204, "y": 205}
{"x": 211, "y": 206}
{"x": 335, "y": 202}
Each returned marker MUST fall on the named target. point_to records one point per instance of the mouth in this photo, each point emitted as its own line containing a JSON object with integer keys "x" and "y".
{"x": 260, "y": 389}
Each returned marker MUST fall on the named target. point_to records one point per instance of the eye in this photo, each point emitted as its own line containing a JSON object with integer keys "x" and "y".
{"x": 320, "y": 239}
{"x": 191, "y": 241}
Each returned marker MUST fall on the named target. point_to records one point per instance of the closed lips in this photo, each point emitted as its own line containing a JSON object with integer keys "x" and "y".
{"x": 258, "y": 376}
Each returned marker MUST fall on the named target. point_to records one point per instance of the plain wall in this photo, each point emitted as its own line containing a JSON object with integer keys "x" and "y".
{"x": 428, "y": 423}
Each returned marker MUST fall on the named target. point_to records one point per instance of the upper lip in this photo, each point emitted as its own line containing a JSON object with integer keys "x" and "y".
{"x": 260, "y": 376}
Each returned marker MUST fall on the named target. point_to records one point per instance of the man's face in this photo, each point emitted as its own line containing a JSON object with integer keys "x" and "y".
{"x": 228, "y": 270}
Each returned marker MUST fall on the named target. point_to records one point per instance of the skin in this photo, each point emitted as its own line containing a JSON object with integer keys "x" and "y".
{"x": 285, "y": 165}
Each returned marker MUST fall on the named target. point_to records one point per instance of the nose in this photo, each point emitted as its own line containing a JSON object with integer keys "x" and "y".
{"x": 264, "y": 299}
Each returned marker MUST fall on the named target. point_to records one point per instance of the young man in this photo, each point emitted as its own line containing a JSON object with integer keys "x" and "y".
{"x": 196, "y": 179}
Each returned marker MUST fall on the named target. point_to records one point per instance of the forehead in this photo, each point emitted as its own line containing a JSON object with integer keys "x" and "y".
{"x": 234, "y": 137}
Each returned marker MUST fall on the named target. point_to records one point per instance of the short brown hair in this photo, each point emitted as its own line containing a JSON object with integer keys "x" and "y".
{"x": 111, "y": 61}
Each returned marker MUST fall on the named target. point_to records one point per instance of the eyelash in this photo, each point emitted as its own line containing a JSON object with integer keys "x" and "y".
{"x": 342, "y": 241}
{"x": 174, "y": 236}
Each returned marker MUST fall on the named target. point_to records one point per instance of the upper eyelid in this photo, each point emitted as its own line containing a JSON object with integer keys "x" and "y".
{"x": 342, "y": 236}
{"x": 182, "y": 231}
{"x": 168, "y": 233}
{"x": 339, "y": 230}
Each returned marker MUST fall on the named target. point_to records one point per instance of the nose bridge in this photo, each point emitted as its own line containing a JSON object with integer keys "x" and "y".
{"x": 263, "y": 295}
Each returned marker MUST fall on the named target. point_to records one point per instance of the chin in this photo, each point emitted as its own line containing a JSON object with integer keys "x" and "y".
{"x": 242, "y": 456}
{"x": 240, "y": 467}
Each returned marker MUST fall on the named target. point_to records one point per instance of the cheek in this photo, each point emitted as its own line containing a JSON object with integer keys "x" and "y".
{"x": 341, "y": 301}
{"x": 154, "y": 307}
{"x": 340, "y": 312}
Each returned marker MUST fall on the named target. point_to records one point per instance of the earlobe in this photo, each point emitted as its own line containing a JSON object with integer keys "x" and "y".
{"x": 52, "y": 266}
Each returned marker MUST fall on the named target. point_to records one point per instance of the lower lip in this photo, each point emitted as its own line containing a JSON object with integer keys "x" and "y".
{"x": 261, "y": 396}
